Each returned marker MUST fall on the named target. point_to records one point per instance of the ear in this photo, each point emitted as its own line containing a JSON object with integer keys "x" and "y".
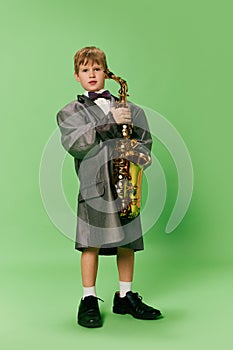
{"x": 76, "y": 77}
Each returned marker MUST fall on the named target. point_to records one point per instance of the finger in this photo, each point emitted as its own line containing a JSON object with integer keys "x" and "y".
{"x": 123, "y": 110}
{"x": 126, "y": 110}
{"x": 126, "y": 121}
{"x": 127, "y": 118}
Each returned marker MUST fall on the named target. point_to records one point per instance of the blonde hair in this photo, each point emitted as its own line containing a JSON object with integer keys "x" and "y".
{"x": 89, "y": 53}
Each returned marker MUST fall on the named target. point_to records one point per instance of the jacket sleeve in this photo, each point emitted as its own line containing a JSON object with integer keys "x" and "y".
{"x": 107, "y": 128}
{"x": 78, "y": 136}
{"x": 142, "y": 135}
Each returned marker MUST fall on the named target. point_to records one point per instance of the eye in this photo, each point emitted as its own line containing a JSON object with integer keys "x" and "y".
{"x": 97, "y": 69}
{"x": 84, "y": 70}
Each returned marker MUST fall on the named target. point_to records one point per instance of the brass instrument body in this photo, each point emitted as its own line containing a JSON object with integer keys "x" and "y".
{"x": 127, "y": 164}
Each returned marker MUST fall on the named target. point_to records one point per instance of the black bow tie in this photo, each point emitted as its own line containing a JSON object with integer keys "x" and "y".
{"x": 94, "y": 95}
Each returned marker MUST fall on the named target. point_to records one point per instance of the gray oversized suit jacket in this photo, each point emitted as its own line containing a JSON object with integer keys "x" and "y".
{"x": 89, "y": 135}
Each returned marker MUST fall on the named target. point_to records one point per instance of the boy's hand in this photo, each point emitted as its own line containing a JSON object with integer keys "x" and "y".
{"x": 121, "y": 115}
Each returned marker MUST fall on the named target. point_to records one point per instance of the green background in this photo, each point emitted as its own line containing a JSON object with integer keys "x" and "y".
{"x": 176, "y": 57}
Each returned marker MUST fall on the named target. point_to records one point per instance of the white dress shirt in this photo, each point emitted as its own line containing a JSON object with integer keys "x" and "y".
{"x": 103, "y": 103}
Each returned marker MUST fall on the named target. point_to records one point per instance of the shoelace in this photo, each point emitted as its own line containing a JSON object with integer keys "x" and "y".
{"x": 140, "y": 306}
{"x": 92, "y": 305}
{"x": 100, "y": 299}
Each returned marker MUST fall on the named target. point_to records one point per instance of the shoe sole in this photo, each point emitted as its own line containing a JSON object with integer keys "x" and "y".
{"x": 90, "y": 325}
{"x": 135, "y": 316}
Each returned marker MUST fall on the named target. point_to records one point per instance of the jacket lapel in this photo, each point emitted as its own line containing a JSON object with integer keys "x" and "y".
{"x": 94, "y": 108}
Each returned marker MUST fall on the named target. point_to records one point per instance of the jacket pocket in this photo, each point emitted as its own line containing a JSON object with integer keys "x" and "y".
{"x": 91, "y": 191}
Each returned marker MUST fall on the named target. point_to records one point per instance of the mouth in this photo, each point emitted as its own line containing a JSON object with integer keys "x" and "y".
{"x": 92, "y": 82}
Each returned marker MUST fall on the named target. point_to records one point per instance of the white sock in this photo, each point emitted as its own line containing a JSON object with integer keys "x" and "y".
{"x": 89, "y": 291}
{"x": 124, "y": 288}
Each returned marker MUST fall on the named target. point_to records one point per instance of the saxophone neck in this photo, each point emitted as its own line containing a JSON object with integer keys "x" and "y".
{"x": 122, "y": 103}
{"x": 122, "y": 92}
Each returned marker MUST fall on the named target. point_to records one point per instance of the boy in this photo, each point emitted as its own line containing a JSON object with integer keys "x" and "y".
{"x": 89, "y": 127}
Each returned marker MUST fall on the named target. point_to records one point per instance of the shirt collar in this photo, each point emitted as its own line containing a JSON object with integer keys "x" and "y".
{"x": 98, "y": 92}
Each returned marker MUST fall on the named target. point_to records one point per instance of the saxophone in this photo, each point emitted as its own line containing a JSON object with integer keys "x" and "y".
{"x": 127, "y": 164}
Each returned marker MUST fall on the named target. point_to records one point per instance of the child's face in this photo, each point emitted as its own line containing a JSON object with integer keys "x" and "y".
{"x": 91, "y": 76}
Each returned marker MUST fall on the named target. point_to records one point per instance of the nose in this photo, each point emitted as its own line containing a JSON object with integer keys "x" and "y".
{"x": 91, "y": 72}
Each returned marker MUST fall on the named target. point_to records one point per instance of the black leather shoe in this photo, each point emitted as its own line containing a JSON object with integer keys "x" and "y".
{"x": 89, "y": 313}
{"x": 132, "y": 304}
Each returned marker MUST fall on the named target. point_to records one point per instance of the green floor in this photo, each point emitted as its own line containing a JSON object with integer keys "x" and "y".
{"x": 40, "y": 293}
